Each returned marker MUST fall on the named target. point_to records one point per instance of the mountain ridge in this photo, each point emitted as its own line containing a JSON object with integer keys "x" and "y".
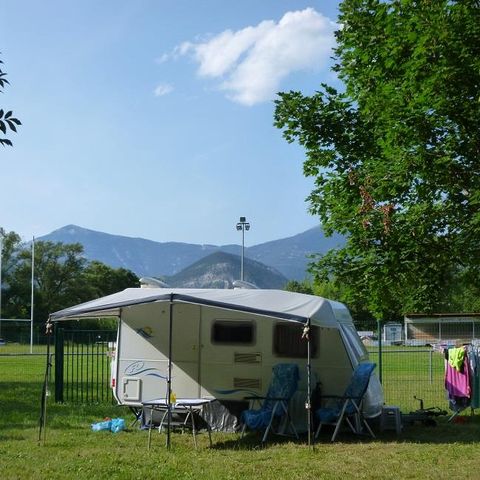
{"x": 220, "y": 269}
{"x": 161, "y": 259}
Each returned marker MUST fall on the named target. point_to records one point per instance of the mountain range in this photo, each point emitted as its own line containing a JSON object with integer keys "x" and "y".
{"x": 287, "y": 257}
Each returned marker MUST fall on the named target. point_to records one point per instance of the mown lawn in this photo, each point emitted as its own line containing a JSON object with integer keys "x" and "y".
{"x": 72, "y": 450}
{"x": 409, "y": 372}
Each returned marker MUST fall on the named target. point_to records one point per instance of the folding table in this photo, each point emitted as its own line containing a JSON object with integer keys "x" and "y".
{"x": 188, "y": 406}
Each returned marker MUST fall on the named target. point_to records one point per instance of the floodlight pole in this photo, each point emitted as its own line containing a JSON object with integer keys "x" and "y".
{"x": 242, "y": 225}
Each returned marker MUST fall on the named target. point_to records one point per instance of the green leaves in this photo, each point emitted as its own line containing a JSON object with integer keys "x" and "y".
{"x": 7, "y": 121}
{"x": 62, "y": 277}
{"x": 392, "y": 155}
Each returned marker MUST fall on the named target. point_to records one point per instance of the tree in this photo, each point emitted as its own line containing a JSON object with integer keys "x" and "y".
{"x": 101, "y": 280}
{"x": 63, "y": 277}
{"x": 7, "y": 120}
{"x": 11, "y": 247}
{"x": 299, "y": 287}
{"x": 395, "y": 155}
{"x": 58, "y": 271}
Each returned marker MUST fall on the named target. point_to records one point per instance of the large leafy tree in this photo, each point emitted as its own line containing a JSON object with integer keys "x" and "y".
{"x": 7, "y": 120}
{"x": 11, "y": 247}
{"x": 395, "y": 153}
{"x": 101, "y": 280}
{"x": 63, "y": 277}
{"x": 58, "y": 274}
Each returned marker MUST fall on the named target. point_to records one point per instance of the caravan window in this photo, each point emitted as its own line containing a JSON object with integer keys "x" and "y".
{"x": 288, "y": 342}
{"x": 233, "y": 333}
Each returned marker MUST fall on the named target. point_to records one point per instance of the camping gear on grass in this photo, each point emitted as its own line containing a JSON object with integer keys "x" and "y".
{"x": 348, "y": 407}
{"x": 274, "y": 405}
{"x": 222, "y": 344}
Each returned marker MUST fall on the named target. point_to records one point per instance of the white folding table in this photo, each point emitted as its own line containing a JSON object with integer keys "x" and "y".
{"x": 187, "y": 406}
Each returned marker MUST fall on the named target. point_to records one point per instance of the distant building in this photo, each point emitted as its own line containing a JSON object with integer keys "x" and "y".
{"x": 451, "y": 328}
{"x": 392, "y": 333}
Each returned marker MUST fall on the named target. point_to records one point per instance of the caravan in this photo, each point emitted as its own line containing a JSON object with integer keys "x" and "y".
{"x": 222, "y": 344}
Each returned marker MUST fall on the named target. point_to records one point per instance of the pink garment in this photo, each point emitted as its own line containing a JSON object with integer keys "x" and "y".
{"x": 457, "y": 382}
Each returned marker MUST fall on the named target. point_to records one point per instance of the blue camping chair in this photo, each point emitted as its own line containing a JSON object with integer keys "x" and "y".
{"x": 348, "y": 407}
{"x": 275, "y": 404}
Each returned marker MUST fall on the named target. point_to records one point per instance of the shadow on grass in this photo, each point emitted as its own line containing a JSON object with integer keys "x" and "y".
{"x": 20, "y": 409}
{"x": 444, "y": 432}
{"x": 253, "y": 441}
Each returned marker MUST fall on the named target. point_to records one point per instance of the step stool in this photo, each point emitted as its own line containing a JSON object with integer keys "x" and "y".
{"x": 391, "y": 419}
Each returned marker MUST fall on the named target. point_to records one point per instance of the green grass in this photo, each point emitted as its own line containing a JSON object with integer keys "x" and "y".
{"x": 22, "y": 348}
{"x": 409, "y": 372}
{"x": 72, "y": 450}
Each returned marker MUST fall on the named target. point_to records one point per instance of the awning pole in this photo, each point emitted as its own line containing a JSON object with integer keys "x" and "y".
{"x": 169, "y": 381}
{"x": 308, "y": 403}
{"x": 43, "y": 406}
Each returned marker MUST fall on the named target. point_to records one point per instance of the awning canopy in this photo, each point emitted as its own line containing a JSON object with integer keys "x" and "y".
{"x": 272, "y": 303}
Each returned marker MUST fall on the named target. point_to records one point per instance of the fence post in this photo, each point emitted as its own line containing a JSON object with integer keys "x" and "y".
{"x": 59, "y": 364}
{"x": 430, "y": 366}
{"x": 379, "y": 336}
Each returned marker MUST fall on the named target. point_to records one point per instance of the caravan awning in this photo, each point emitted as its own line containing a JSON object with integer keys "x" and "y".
{"x": 272, "y": 303}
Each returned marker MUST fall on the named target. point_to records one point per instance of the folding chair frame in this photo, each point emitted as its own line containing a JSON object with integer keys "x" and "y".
{"x": 278, "y": 402}
{"x": 349, "y": 404}
{"x": 359, "y": 419}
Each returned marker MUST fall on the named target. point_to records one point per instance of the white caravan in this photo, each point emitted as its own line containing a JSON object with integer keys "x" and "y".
{"x": 222, "y": 344}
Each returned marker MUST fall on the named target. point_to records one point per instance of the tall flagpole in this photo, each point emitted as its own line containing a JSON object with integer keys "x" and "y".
{"x": 32, "y": 295}
{"x": 1, "y": 251}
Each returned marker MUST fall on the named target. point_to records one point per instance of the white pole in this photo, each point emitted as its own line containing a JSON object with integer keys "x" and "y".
{"x": 31, "y": 297}
{"x": 1, "y": 250}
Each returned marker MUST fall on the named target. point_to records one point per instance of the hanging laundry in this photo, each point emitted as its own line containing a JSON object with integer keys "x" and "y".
{"x": 473, "y": 356}
{"x": 456, "y": 357}
{"x": 457, "y": 382}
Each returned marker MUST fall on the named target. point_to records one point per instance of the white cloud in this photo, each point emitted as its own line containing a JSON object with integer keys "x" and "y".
{"x": 251, "y": 63}
{"x": 163, "y": 58}
{"x": 163, "y": 89}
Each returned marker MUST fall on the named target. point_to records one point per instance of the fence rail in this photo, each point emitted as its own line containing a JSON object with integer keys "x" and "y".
{"x": 82, "y": 369}
{"x": 409, "y": 373}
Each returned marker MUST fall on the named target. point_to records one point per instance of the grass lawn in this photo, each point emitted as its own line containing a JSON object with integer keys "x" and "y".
{"x": 72, "y": 450}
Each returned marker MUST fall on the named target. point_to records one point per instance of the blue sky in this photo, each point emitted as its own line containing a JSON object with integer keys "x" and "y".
{"x": 154, "y": 119}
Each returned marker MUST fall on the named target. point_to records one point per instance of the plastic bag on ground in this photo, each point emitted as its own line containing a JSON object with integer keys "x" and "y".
{"x": 118, "y": 424}
{"x": 105, "y": 425}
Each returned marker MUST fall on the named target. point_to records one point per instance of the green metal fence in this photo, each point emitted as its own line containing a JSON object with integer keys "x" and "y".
{"x": 412, "y": 366}
{"x": 82, "y": 365}
{"x": 82, "y": 368}
{"x": 411, "y": 373}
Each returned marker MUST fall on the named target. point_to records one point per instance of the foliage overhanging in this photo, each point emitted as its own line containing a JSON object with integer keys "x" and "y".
{"x": 395, "y": 155}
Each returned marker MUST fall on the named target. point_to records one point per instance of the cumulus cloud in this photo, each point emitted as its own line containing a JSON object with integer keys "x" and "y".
{"x": 251, "y": 63}
{"x": 163, "y": 89}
